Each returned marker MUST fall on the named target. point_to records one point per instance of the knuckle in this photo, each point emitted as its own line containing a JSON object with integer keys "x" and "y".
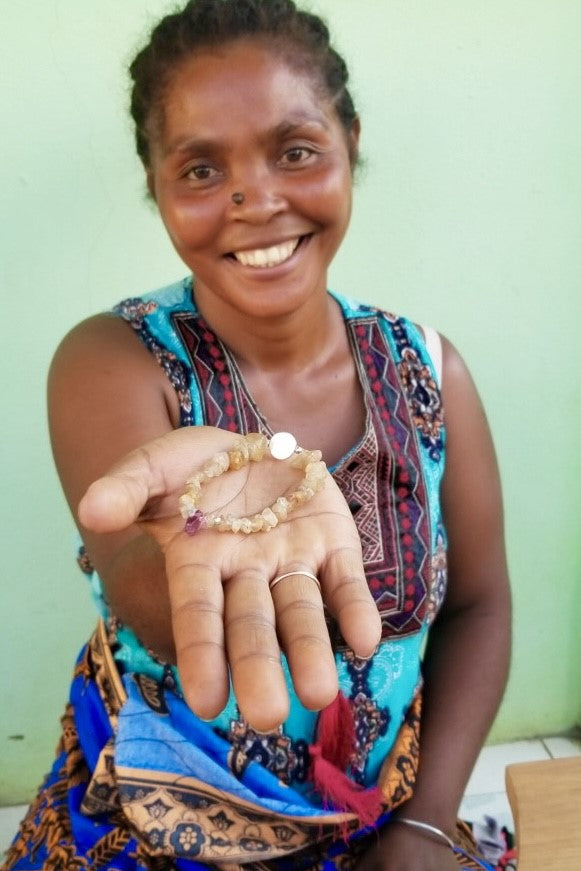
{"x": 260, "y": 655}
{"x": 194, "y": 608}
{"x": 194, "y": 645}
{"x": 301, "y": 608}
{"x": 308, "y": 640}
{"x": 251, "y": 621}
{"x": 348, "y": 590}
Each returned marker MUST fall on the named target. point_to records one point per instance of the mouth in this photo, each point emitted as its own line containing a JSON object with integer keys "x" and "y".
{"x": 265, "y": 258}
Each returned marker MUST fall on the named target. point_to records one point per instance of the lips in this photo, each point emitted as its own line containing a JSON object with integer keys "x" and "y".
{"x": 263, "y": 258}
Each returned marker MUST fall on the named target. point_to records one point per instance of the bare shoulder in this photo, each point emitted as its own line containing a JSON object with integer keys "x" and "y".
{"x": 103, "y": 353}
{"x": 463, "y": 409}
{"x": 102, "y": 338}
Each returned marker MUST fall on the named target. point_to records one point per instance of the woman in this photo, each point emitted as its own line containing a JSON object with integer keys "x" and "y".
{"x": 249, "y": 140}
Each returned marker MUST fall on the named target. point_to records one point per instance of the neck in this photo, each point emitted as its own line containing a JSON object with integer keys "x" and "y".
{"x": 282, "y": 342}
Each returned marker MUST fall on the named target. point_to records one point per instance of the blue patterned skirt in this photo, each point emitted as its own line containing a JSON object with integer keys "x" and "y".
{"x": 141, "y": 784}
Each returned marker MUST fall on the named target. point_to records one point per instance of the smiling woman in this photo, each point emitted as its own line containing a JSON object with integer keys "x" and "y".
{"x": 243, "y": 121}
{"x": 253, "y": 693}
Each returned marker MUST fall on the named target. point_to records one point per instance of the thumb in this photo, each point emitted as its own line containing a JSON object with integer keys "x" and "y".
{"x": 114, "y": 502}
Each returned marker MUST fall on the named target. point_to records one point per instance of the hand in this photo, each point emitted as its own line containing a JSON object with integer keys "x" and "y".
{"x": 400, "y": 848}
{"x": 223, "y": 613}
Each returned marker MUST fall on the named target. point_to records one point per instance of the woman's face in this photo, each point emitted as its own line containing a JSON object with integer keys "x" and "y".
{"x": 240, "y": 119}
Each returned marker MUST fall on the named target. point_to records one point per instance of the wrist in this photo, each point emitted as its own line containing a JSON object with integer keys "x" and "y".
{"x": 426, "y": 830}
{"x": 427, "y": 812}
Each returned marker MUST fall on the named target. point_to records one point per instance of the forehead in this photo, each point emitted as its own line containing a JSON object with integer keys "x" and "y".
{"x": 242, "y": 84}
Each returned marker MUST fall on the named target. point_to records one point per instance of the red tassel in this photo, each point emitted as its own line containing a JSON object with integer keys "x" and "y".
{"x": 336, "y": 732}
{"x": 331, "y": 755}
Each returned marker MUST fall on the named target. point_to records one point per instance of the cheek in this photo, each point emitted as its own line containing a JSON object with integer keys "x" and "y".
{"x": 190, "y": 222}
{"x": 330, "y": 195}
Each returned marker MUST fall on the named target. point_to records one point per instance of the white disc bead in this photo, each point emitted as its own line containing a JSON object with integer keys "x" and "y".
{"x": 282, "y": 445}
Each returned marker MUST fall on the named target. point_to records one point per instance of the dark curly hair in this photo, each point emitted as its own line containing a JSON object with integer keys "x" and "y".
{"x": 302, "y": 38}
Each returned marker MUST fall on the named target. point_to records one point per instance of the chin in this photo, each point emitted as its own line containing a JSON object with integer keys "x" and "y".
{"x": 270, "y": 306}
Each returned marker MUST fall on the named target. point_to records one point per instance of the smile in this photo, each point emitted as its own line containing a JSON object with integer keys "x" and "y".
{"x": 262, "y": 258}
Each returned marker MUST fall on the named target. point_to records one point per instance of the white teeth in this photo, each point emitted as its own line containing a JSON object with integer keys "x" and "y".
{"x": 264, "y": 257}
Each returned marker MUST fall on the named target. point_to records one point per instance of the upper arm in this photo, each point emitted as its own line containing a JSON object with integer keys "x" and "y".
{"x": 471, "y": 496}
{"x": 106, "y": 396}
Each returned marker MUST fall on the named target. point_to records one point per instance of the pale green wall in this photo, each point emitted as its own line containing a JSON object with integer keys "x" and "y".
{"x": 467, "y": 217}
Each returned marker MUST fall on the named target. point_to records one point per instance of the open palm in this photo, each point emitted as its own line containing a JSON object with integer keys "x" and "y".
{"x": 225, "y": 618}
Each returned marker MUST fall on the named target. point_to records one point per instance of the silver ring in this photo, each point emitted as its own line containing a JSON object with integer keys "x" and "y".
{"x": 280, "y": 578}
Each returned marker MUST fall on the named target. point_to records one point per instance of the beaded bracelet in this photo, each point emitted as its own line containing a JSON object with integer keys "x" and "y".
{"x": 253, "y": 448}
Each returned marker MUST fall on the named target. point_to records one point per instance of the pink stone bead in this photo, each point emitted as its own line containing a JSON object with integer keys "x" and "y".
{"x": 195, "y": 522}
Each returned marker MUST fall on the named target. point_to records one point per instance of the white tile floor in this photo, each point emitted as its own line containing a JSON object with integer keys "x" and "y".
{"x": 485, "y": 793}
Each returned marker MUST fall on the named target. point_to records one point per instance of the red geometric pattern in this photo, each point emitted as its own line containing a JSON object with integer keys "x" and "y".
{"x": 210, "y": 370}
{"x": 384, "y": 487}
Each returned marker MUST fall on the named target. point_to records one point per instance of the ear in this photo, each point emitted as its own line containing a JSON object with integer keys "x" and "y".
{"x": 353, "y": 141}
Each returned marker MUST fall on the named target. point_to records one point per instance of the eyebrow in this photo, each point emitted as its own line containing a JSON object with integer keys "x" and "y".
{"x": 202, "y": 145}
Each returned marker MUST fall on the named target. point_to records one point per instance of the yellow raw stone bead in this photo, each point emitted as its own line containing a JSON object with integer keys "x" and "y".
{"x": 257, "y": 444}
{"x": 195, "y": 481}
{"x": 237, "y": 460}
{"x": 225, "y": 524}
{"x": 302, "y": 494}
{"x": 292, "y": 501}
{"x": 302, "y": 459}
{"x": 257, "y": 523}
{"x": 315, "y": 472}
{"x": 281, "y": 508}
{"x": 187, "y": 505}
{"x": 239, "y": 454}
{"x": 219, "y": 464}
{"x": 270, "y": 518}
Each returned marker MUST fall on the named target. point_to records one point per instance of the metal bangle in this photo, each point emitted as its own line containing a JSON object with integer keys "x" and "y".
{"x": 427, "y": 829}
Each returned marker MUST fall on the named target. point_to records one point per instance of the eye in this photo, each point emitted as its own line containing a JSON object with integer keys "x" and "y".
{"x": 200, "y": 172}
{"x": 298, "y": 155}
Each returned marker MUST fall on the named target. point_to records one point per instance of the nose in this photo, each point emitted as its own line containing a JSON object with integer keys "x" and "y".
{"x": 256, "y": 196}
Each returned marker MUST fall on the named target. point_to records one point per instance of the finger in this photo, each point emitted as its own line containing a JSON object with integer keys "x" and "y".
{"x": 197, "y": 606}
{"x": 348, "y": 599}
{"x": 302, "y": 631}
{"x": 254, "y": 652}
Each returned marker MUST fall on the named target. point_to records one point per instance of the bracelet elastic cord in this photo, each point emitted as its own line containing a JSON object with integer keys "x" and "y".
{"x": 427, "y": 829}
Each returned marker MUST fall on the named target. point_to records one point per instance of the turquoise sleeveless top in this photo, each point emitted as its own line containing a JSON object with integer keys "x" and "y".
{"x": 391, "y": 481}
